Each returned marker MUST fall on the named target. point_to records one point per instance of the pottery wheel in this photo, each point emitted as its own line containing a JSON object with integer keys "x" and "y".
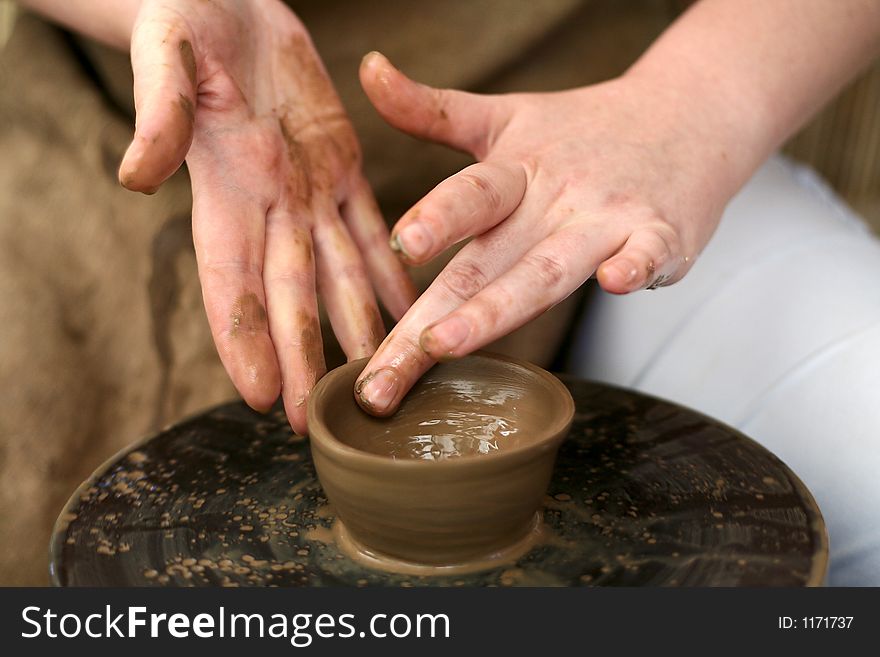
{"x": 645, "y": 493}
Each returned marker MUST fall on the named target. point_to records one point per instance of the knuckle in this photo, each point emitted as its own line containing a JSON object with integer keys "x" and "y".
{"x": 263, "y": 144}
{"x": 655, "y": 220}
{"x": 347, "y": 146}
{"x": 666, "y": 246}
{"x": 549, "y": 271}
{"x": 490, "y": 311}
{"x": 617, "y": 200}
{"x": 289, "y": 278}
{"x": 463, "y": 279}
{"x": 232, "y": 268}
{"x": 669, "y": 235}
{"x": 488, "y": 191}
{"x": 660, "y": 238}
{"x": 341, "y": 276}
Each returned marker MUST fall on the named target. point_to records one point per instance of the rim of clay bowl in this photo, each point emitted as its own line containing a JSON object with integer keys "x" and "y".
{"x": 319, "y": 432}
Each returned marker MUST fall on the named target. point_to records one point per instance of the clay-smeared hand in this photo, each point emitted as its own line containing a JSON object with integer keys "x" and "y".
{"x": 595, "y": 180}
{"x": 280, "y": 207}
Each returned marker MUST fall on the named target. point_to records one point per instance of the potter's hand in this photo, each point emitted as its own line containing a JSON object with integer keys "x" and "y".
{"x": 599, "y": 179}
{"x": 626, "y": 179}
{"x": 279, "y": 202}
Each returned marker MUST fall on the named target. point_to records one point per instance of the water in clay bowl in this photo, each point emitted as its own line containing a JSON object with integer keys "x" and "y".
{"x": 454, "y": 481}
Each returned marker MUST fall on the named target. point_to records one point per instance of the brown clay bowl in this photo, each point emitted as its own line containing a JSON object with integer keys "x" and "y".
{"x": 457, "y": 476}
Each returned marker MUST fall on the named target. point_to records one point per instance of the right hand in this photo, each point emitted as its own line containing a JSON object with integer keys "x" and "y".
{"x": 281, "y": 209}
{"x": 612, "y": 179}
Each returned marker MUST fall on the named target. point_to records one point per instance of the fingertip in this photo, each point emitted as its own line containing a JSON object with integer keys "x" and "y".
{"x": 414, "y": 108}
{"x": 132, "y": 184}
{"x": 381, "y": 80}
{"x": 374, "y": 57}
{"x": 368, "y": 71}
{"x": 376, "y": 63}
{"x": 371, "y": 410}
{"x": 378, "y": 393}
{"x": 128, "y": 173}
{"x": 261, "y": 399}
{"x": 131, "y": 171}
{"x": 412, "y": 242}
{"x": 397, "y": 246}
{"x": 296, "y": 415}
{"x": 296, "y": 404}
{"x": 618, "y": 276}
{"x": 258, "y": 381}
{"x": 159, "y": 147}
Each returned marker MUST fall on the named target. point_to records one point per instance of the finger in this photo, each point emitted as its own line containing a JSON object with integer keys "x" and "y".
{"x": 165, "y": 81}
{"x": 466, "y": 204}
{"x": 346, "y": 290}
{"x": 546, "y": 275}
{"x": 292, "y": 306}
{"x": 457, "y": 119}
{"x": 228, "y": 233}
{"x": 649, "y": 258}
{"x": 370, "y": 234}
{"x": 400, "y": 360}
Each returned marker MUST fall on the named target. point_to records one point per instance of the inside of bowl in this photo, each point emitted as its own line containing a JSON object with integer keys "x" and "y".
{"x": 475, "y": 406}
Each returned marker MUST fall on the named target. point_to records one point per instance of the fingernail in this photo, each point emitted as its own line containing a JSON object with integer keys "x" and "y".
{"x": 395, "y": 244}
{"x": 370, "y": 55}
{"x": 413, "y": 241}
{"x": 442, "y": 339}
{"x": 378, "y": 389}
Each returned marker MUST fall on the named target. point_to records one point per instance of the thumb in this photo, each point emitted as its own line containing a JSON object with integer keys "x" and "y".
{"x": 165, "y": 82}
{"x": 458, "y": 119}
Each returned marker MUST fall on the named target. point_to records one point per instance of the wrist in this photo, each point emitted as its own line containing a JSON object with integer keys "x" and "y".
{"x": 746, "y": 74}
{"x": 717, "y": 134}
{"x": 704, "y": 155}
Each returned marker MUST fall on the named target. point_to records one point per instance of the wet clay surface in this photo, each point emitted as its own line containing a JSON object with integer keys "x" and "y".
{"x": 644, "y": 493}
{"x": 482, "y": 409}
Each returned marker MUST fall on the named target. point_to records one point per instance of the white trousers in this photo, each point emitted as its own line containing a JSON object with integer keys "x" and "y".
{"x": 775, "y": 331}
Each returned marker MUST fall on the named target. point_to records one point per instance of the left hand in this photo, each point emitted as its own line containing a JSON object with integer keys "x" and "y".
{"x": 614, "y": 179}
{"x": 281, "y": 209}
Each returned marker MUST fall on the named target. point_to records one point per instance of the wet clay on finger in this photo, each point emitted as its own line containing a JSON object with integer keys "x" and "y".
{"x": 454, "y": 480}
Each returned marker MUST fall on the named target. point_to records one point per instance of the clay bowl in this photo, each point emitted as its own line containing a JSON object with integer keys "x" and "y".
{"x": 455, "y": 479}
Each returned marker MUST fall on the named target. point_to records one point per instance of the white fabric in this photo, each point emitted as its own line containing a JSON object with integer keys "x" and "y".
{"x": 775, "y": 331}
